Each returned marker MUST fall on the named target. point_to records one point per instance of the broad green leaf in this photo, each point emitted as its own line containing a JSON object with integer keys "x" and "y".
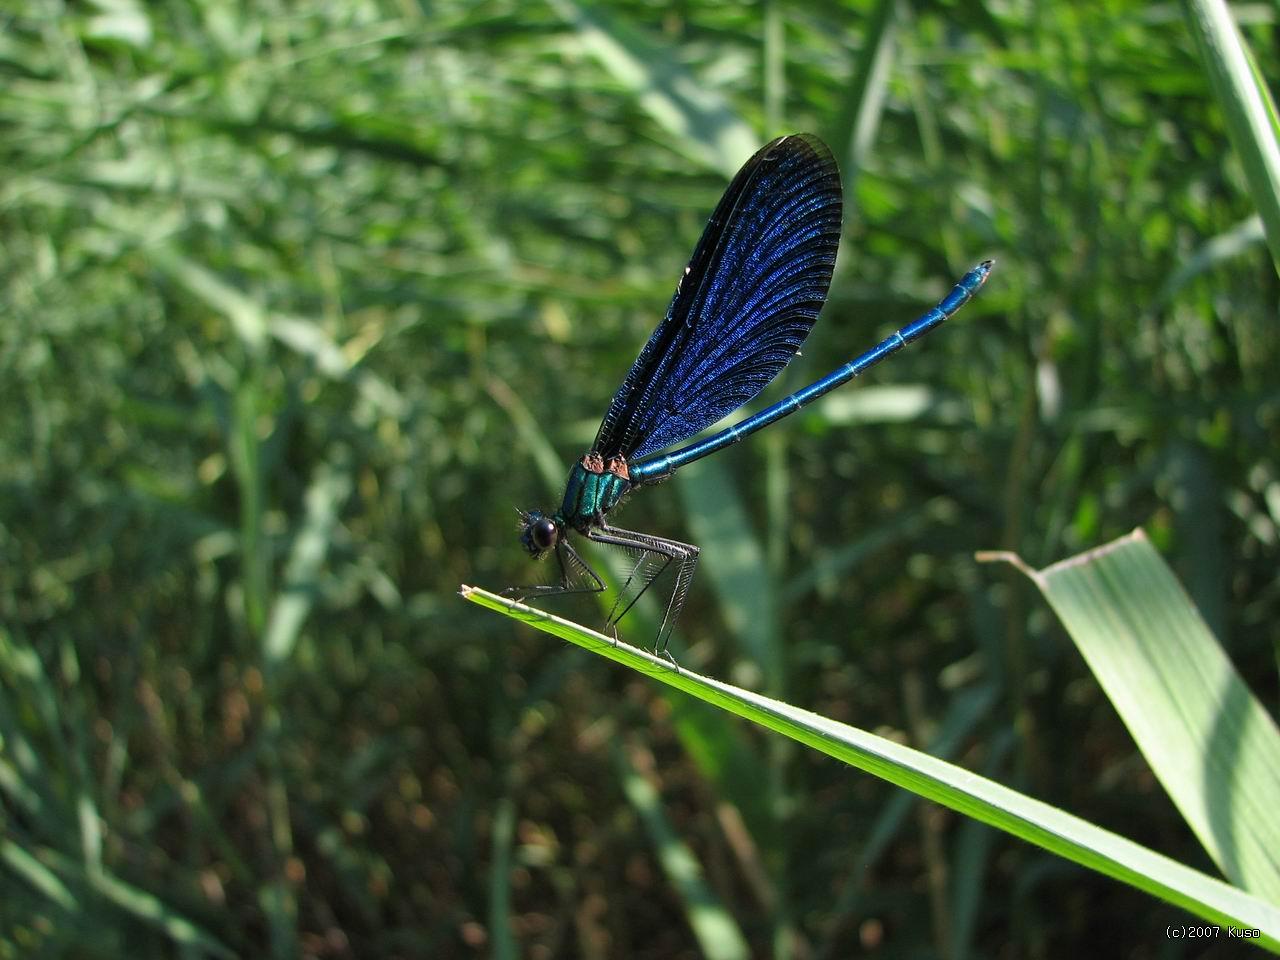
{"x": 1214, "y": 747}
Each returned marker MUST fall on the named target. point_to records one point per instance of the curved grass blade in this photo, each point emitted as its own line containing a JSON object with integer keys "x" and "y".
{"x": 954, "y": 787}
{"x": 1214, "y": 747}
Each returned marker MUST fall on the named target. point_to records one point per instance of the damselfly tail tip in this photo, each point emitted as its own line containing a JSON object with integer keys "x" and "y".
{"x": 978, "y": 275}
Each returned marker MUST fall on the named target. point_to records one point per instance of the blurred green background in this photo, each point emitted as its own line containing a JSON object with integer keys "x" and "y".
{"x": 300, "y": 301}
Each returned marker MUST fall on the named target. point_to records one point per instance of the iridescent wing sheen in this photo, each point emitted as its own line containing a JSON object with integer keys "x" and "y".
{"x": 746, "y": 302}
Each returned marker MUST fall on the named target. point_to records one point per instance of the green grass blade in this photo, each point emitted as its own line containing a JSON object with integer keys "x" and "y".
{"x": 967, "y": 710}
{"x": 134, "y": 901}
{"x": 1246, "y": 105}
{"x": 502, "y": 849}
{"x": 733, "y": 558}
{"x": 35, "y": 873}
{"x": 953, "y": 787}
{"x": 709, "y": 919}
{"x": 325, "y": 496}
{"x": 702, "y": 120}
{"x": 1214, "y": 747}
{"x": 247, "y": 317}
{"x": 855, "y": 132}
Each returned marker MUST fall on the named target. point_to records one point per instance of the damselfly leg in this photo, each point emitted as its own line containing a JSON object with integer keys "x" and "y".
{"x": 576, "y": 576}
{"x": 655, "y": 555}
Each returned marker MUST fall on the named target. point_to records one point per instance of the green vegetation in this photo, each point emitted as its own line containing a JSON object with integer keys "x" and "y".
{"x": 299, "y": 303}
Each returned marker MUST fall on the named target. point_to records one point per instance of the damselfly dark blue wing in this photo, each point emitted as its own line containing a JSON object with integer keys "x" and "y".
{"x": 745, "y": 304}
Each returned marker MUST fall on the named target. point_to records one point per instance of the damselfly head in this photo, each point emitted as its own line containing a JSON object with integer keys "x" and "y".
{"x": 539, "y": 533}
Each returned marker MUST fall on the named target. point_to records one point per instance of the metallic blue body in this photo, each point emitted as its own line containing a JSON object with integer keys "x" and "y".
{"x": 657, "y": 468}
{"x": 589, "y": 495}
{"x": 745, "y": 304}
